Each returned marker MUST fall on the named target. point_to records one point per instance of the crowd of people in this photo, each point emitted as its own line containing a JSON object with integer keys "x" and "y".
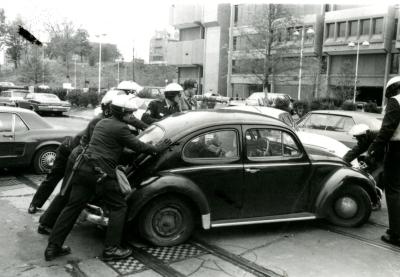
{"x": 87, "y": 162}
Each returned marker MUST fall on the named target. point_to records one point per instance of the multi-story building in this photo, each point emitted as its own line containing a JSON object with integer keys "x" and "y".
{"x": 158, "y": 47}
{"x": 201, "y": 52}
{"x": 343, "y": 47}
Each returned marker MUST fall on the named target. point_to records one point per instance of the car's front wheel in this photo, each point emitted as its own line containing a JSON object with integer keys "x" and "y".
{"x": 166, "y": 221}
{"x": 44, "y": 159}
{"x": 349, "y": 206}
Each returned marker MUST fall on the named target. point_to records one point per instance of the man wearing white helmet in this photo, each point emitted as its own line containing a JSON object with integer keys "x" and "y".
{"x": 387, "y": 144}
{"x": 160, "y": 108}
{"x": 95, "y": 174}
{"x": 364, "y": 136}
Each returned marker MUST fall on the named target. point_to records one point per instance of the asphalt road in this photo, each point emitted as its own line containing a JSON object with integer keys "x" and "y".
{"x": 309, "y": 248}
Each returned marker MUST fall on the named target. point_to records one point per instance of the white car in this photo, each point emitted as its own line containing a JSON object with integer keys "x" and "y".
{"x": 309, "y": 140}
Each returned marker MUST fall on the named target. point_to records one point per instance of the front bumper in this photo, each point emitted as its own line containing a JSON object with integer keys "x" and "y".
{"x": 53, "y": 108}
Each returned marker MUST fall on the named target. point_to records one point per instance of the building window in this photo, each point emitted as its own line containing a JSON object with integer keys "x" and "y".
{"x": 353, "y": 28}
{"x": 341, "y": 30}
{"x": 396, "y": 21}
{"x": 330, "y": 30}
{"x": 236, "y": 14}
{"x": 394, "y": 64}
{"x": 234, "y": 43}
{"x": 377, "y": 25}
{"x": 365, "y": 27}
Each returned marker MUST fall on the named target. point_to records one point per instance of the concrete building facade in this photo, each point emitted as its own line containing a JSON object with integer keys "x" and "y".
{"x": 214, "y": 47}
{"x": 158, "y": 47}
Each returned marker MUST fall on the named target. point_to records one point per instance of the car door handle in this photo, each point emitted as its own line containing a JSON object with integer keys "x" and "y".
{"x": 252, "y": 170}
{"x": 8, "y": 136}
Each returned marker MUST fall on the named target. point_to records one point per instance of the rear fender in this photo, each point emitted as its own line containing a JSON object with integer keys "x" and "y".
{"x": 340, "y": 178}
{"x": 169, "y": 184}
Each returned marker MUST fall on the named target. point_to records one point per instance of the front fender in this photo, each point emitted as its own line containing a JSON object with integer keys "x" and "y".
{"x": 340, "y": 178}
{"x": 47, "y": 143}
{"x": 166, "y": 184}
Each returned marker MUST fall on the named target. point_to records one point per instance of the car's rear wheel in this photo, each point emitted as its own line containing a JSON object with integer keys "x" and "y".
{"x": 166, "y": 221}
{"x": 44, "y": 159}
{"x": 349, "y": 206}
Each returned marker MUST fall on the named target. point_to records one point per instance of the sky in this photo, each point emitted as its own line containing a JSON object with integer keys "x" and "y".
{"x": 127, "y": 23}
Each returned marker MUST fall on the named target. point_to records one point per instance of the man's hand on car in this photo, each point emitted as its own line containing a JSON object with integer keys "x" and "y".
{"x": 161, "y": 146}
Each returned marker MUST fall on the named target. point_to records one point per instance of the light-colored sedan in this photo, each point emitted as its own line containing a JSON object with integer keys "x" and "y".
{"x": 312, "y": 142}
{"x": 337, "y": 123}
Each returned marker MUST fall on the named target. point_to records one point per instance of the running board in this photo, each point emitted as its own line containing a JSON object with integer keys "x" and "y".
{"x": 264, "y": 219}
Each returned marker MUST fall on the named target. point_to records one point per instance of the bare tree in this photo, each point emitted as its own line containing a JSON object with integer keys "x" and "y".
{"x": 13, "y": 42}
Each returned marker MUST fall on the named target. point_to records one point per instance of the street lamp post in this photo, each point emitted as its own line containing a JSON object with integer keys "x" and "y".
{"x": 352, "y": 44}
{"x": 74, "y": 58}
{"x": 99, "y": 36}
{"x": 118, "y": 61}
{"x": 310, "y": 31}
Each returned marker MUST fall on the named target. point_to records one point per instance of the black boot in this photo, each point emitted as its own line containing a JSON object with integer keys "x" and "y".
{"x": 53, "y": 251}
{"x": 112, "y": 253}
{"x": 391, "y": 238}
{"x": 43, "y": 229}
{"x": 32, "y": 208}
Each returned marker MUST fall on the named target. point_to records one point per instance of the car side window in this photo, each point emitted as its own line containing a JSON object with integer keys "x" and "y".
{"x": 5, "y": 122}
{"x": 315, "y": 121}
{"x": 267, "y": 143}
{"x": 212, "y": 145}
{"x": 19, "y": 125}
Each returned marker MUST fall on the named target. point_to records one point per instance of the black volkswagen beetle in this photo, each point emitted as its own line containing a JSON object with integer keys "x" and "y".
{"x": 27, "y": 139}
{"x": 229, "y": 168}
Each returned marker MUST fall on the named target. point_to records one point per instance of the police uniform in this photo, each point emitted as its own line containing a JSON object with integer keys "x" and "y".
{"x": 158, "y": 109}
{"x": 387, "y": 143}
{"x": 109, "y": 138}
{"x": 363, "y": 142}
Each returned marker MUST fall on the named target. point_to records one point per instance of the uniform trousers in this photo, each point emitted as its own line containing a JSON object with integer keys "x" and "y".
{"x": 391, "y": 175}
{"x": 83, "y": 188}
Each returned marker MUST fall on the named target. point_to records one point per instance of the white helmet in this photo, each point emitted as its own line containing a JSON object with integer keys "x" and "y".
{"x": 391, "y": 89}
{"x": 121, "y": 105}
{"x": 130, "y": 85}
{"x": 108, "y": 97}
{"x": 359, "y": 129}
{"x": 173, "y": 87}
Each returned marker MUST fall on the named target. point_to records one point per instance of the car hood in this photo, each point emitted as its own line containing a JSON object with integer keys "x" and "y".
{"x": 326, "y": 143}
{"x": 320, "y": 156}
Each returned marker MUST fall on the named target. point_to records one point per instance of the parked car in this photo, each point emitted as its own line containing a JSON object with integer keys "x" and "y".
{"x": 26, "y": 139}
{"x": 312, "y": 142}
{"x": 258, "y": 99}
{"x": 229, "y": 168}
{"x": 12, "y": 96}
{"x": 44, "y": 103}
{"x": 337, "y": 123}
{"x": 7, "y": 84}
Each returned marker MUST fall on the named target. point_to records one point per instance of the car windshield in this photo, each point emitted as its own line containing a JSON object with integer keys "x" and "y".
{"x": 152, "y": 135}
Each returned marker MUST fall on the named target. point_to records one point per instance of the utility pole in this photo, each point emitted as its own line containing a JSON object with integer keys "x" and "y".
{"x": 133, "y": 64}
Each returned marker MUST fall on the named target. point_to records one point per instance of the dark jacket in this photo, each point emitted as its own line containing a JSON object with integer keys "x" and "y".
{"x": 108, "y": 140}
{"x": 389, "y": 125}
{"x": 157, "y": 110}
{"x": 363, "y": 143}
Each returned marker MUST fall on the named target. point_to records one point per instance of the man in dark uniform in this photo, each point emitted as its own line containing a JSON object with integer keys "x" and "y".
{"x": 160, "y": 108}
{"x": 387, "y": 143}
{"x": 96, "y": 175}
{"x": 364, "y": 137}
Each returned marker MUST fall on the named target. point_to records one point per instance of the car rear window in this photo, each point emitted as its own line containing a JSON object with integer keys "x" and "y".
{"x": 152, "y": 135}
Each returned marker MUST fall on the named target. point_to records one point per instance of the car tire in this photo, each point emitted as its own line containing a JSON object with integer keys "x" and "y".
{"x": 166, "y": 221}
{"x": 44, "y": 159}
{"x": 349, "y": 206}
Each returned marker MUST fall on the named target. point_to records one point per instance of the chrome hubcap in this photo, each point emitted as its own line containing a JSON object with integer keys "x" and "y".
{"x": 47, "y": 160}
{"x": 346, "y": 207}
{"x": 167, "y": 222}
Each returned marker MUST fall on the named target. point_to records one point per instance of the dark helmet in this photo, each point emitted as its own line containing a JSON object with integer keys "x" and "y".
{"x": 172, "y": 90}
{"x": 188, "y": 84}
{"x": 392, "y": 87}
{"x": 121, "y": 106}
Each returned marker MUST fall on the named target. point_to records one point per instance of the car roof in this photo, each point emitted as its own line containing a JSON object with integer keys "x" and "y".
{"x": 30, "y": 117}
{"x": 269, "y": 111}
{"x": 184, "y": 123}
{"x": 349, "y": 113}
{"x": 18, "y": 90}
